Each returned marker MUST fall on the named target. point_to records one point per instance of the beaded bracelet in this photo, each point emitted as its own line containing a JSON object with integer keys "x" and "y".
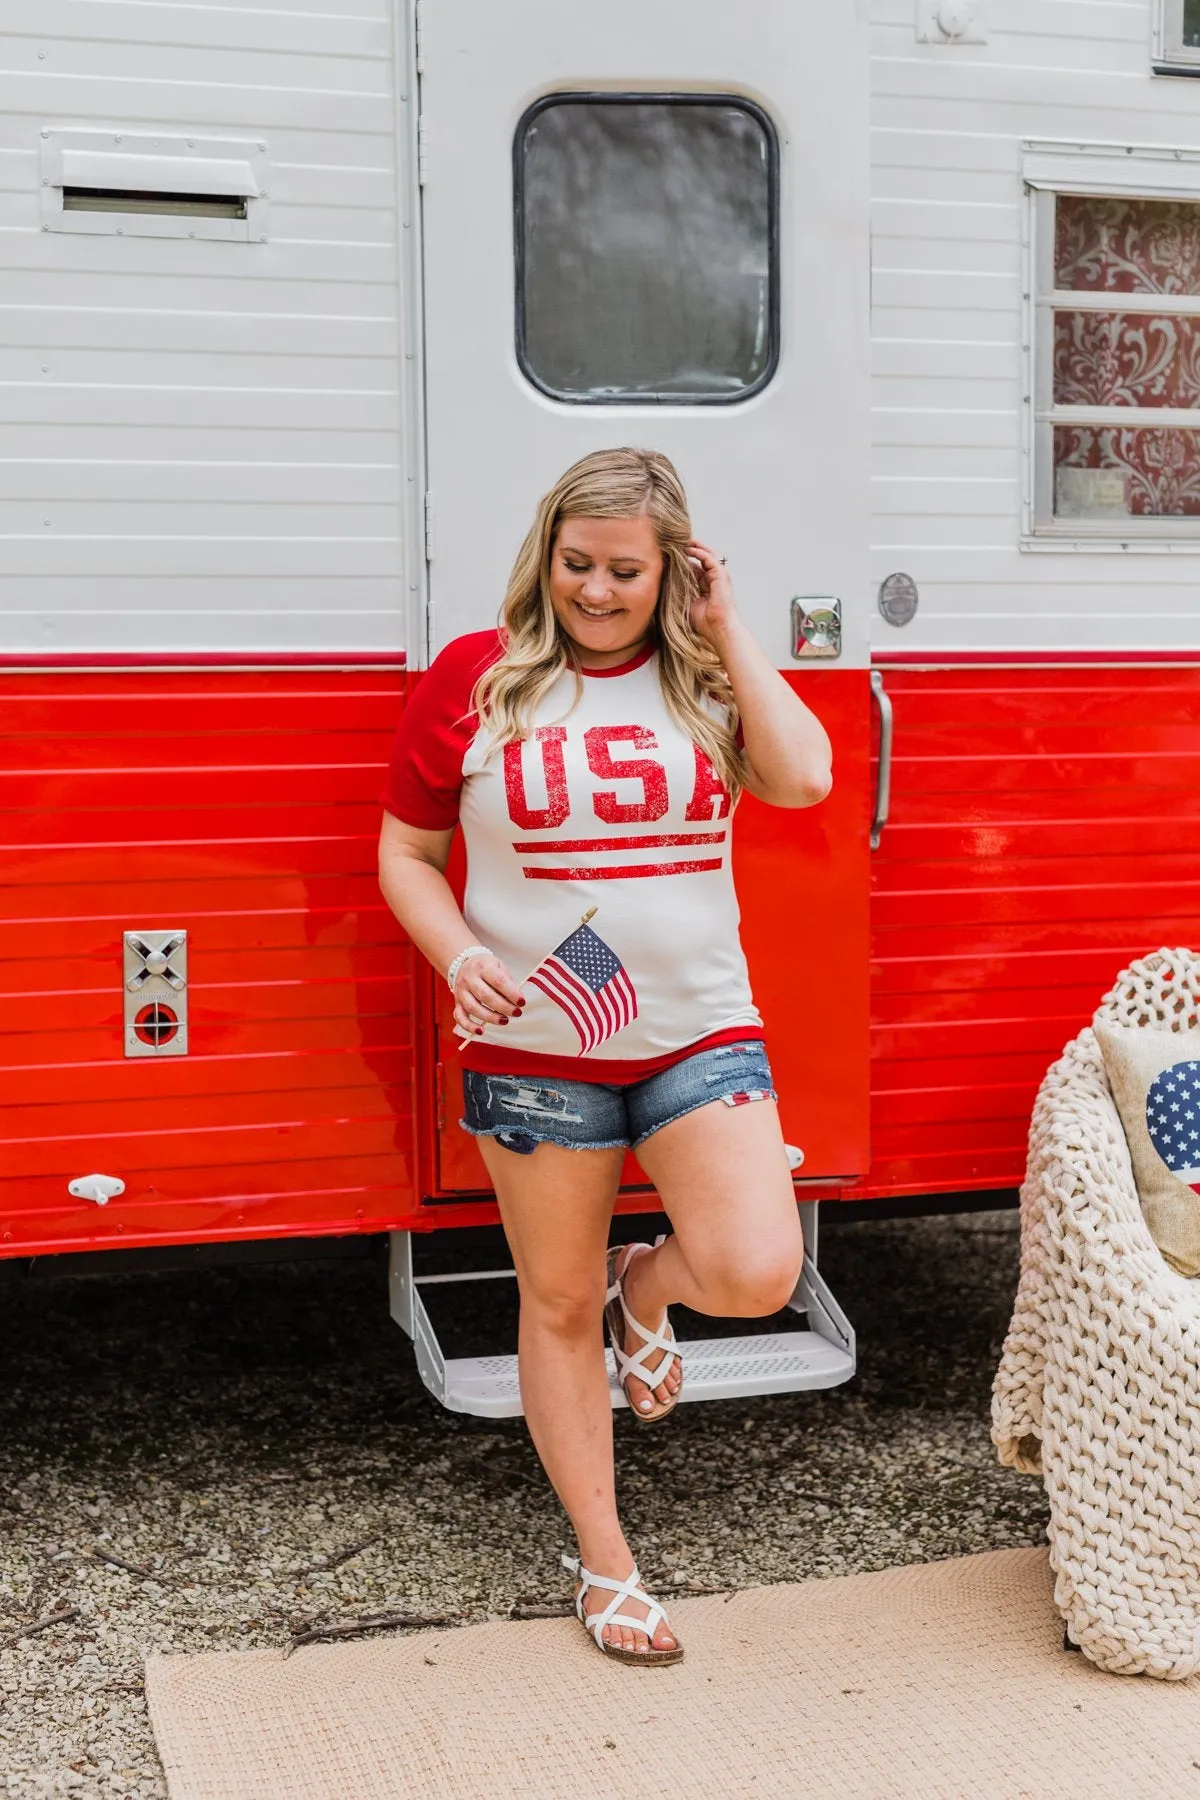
{"x": 461, "y": 958}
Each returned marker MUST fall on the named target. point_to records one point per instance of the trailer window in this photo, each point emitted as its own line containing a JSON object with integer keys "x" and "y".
{"x": 1117, "y": 376}
{"x": 1177, "y": 34}
{"x": 646, "y": 248}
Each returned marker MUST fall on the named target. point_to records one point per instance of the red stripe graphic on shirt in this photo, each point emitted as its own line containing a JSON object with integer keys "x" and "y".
{"x": 623, "y": 871}
{"x": 579, "y": 845}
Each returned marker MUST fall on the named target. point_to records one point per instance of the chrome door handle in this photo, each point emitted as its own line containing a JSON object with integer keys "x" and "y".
{"x": 883, "y": 777}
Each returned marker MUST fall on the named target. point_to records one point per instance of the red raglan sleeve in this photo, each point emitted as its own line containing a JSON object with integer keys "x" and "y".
{"x": 424, "y": 777}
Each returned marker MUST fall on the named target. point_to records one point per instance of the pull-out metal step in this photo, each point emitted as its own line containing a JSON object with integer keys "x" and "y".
{"x": 778, "y": 1362}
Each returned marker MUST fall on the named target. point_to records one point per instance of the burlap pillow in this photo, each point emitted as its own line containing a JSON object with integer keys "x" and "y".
{"x": 1155, "y": 1081}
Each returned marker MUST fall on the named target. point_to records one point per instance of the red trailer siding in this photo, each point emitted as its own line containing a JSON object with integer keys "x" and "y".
{"x": 1042, "y": 834}
{"x": 244, "y": 806}
{"x": 1040, "y": 837}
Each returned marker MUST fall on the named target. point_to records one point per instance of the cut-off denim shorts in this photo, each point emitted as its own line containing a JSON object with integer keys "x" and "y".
{"x": 523, "y": 1111}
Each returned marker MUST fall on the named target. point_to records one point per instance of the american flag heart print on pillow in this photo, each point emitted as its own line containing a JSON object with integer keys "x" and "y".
{"x": 1173, "y": 1120}
{"x": 1154, "y": 1076}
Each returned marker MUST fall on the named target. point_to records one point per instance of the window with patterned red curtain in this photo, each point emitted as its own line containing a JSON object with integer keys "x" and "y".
{"x": 1124, "y": 347}
{"x": 1177, "y": 32}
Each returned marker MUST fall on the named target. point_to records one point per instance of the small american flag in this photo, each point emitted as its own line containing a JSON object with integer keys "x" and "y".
{"x": 1173, "y": 1120}
{"x": 589, "y": 982}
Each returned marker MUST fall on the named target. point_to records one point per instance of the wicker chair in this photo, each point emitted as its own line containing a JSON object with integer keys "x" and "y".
{"x": 1098, "y": 1387}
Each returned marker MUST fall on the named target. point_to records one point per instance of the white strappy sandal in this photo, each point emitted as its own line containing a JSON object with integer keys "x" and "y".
{"x": 629, "y": 1589}
{"x": 619, "y": 1320}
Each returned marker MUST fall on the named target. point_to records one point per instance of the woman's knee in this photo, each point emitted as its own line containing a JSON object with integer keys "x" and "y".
{"x": 750, "y": 1281}
{"x": 569, "y": 1309}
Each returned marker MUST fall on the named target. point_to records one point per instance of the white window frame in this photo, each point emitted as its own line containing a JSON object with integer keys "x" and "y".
{"x": 1168, "y": 50}
{"x": 1120, "y": 171}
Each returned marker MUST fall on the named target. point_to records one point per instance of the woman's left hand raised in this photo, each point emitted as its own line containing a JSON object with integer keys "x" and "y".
{"x": 714, "y": 612}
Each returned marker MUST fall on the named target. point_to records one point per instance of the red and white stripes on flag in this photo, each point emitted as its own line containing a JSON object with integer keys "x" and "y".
{"x": 591, "y": 985}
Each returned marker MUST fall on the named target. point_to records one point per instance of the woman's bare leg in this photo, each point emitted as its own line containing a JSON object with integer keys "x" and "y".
{"x": 737, "y": 1248}
{"x": 556, "y": 1206}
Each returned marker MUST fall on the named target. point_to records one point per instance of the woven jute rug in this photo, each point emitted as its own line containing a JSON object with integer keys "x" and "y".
{"x": 941, "y": 1681}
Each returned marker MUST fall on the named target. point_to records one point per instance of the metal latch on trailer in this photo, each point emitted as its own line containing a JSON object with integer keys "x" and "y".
{"x": 776, "y": 1362}
{"x": 816, "y": 628}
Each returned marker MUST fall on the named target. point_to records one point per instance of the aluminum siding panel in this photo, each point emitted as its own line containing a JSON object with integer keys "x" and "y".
{"x": 1040, "y": 837}
{"x": 202, "y": 440}
{"x": 947, "y": 320}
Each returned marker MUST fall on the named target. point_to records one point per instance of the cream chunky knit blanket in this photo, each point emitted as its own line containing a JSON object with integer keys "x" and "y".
{"x": 1099, "y": 1382}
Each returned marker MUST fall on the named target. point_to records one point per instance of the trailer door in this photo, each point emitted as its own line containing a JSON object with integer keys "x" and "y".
{"x": 645, "y": 223}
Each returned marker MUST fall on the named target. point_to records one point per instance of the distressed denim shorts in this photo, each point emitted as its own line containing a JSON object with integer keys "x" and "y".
{"x": 523, "y": 1111}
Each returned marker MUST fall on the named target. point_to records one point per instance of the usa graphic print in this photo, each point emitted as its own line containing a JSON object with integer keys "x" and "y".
{"x": 1173, "y": 1120}
{"x": 591, "y": 985}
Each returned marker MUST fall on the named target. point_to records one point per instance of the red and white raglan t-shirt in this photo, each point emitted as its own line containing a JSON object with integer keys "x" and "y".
{"x": 607, "y": 804}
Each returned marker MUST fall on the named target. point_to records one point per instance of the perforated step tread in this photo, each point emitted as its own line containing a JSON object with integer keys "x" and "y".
{"x": 783, "y": 1362}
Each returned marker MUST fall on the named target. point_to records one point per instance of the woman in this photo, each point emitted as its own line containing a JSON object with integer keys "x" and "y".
{"x": 593, "y": 750}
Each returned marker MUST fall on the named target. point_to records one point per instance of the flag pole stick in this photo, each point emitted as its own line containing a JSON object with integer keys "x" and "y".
{"x": 463, "y": 1038}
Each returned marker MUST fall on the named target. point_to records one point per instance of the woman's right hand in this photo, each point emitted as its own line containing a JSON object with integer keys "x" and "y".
{"x": 485, "y": 994}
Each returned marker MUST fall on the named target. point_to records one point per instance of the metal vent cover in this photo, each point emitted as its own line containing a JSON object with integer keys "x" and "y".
{"x": 155, "y": 993}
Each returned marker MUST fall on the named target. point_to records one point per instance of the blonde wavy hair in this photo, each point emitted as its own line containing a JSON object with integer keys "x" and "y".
{"x": 610, "y": 484}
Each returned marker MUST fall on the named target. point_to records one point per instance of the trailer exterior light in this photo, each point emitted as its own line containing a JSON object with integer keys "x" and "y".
{"x": 898, "y": 598}
{"x": 951, "y": 22}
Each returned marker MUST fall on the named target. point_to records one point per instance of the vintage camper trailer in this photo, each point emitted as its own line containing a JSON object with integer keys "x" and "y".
{"x": 303, "y": 307}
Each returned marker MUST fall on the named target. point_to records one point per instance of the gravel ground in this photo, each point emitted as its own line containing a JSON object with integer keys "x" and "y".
{"x": 228, "y": 1432}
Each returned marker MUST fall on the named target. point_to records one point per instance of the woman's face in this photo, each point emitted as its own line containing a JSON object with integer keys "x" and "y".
{"x": 605, "y": 576}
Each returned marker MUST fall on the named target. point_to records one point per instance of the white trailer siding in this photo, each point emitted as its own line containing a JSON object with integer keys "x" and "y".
{"x": 202, "y": 441}
{"x": 948, "y": 221}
